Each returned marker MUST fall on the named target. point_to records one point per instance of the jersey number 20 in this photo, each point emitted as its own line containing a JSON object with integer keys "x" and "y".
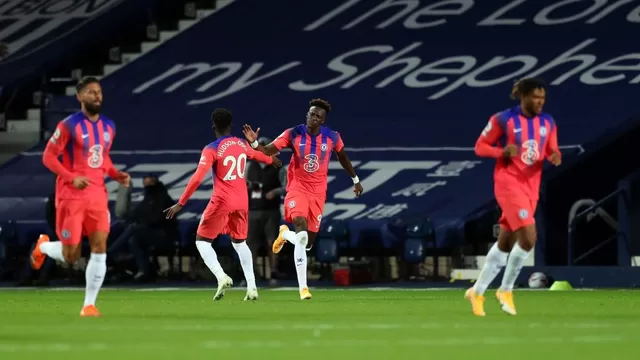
{"x": 236, "y": 167}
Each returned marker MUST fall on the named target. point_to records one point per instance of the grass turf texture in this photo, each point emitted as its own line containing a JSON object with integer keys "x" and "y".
{"x": 336, "y": 324}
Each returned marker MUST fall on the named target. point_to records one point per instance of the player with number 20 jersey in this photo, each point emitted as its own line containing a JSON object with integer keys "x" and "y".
{"x": 227, "y": 211}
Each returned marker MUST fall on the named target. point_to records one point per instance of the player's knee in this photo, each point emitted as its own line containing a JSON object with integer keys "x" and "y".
{"x": 506, "y": 239}
{"x": 98, "y": 242}
{"x": 300, "y": 223}
{"x": 99, "y": 248}
{"x": 526, "y": 244}
{"x": 70, "y": 255}
{"x": 202, "y": 238}
{"x": 527, "y": 237}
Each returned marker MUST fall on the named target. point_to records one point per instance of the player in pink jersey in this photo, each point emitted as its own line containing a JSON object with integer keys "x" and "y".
{"x": 227, "y": 212}
{"x": 83, "y": 140}
{"x": 312, "y": 145}
{"x": 520, "y": 139}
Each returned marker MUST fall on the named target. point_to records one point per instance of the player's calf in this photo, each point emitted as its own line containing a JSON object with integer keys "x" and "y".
{"x": 300, "y": 253}
{"x": 526, "y": 239}
{"x": 95, "y": 272}
{"x": 210, "y": 258}
{"x": 246, "y": 262}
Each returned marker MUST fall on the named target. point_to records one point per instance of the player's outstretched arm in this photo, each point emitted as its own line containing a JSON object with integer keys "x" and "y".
{"x": 252, "y": 138}
{"x": 486, "y": 143}
{"x": 263, "y": 158}
{"x": 207, "y": 159}
{"x": 53, "y": 150}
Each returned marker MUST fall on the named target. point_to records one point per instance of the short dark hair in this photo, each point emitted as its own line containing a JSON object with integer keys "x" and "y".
{"x": 82, "y": 84}
{"x": 524, "y": 87}
{"x": 221, "y": 118}
{"x": 322, "y": 104}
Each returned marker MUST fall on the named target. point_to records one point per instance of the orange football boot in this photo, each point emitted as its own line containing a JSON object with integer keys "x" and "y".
{"x": 90, "y": 311}
{"x": 477, "y": 302}
{"x": 280, "y": 241}
{"x": 505, "y": 298}
{"x": 37, "y": 257}
{"x": 305, "y": 294}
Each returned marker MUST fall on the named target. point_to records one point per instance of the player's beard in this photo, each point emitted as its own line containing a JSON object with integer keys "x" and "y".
{"x": 93, "y": 109}
{"x": 531, "y": 108}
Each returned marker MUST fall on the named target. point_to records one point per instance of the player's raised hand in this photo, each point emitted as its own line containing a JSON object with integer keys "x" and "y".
{"x": 510, "y": 151}
{"x": 80, "y": 182}
{"x": 276, "y": 162}
{"x": 555, "y": 158}
{"x": 358, "y": 189}
{"x": 249, "y": 134}
{"x": 172, "y": 211}
{"x": 124, "y": 178}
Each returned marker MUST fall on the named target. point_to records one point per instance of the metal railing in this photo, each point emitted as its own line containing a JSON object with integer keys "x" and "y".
{"x": 593, "y": 210}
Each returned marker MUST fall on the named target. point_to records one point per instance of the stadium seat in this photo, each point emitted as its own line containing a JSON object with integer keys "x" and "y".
{"x": 414, "y": 250}
{"x": 337, "y": 230}
{"x": 420, "y": 228}
{"x": 332, "y": 240}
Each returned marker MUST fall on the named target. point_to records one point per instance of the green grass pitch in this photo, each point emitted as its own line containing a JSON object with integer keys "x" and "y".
{"x": 336, "y": 324}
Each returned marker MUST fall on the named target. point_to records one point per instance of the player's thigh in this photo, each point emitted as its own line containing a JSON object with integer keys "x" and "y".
{"x": 504, "y": 224}
{"x": 316, "y": 207}
{"x": 69, "y": 219}
{"x": 238, "y": 224}
{"x": 517, "y": 212}
{"x": 213, "y": 222}
{"x": 296, "y": 205}
{"x": 96, "y": 225}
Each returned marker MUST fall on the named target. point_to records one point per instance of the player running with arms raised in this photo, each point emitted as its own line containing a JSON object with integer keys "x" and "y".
{"x": 520, "y": 139}
{"x": 227, "y": 212}
{"x": 84, "y": 140}
{"x": 307, "y": 181}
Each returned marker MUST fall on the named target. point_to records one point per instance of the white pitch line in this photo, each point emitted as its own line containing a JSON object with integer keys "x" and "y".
{"x": 374, "y": 327}
{"x": 316, "y": 342}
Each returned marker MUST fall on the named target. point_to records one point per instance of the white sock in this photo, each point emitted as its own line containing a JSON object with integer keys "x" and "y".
{"x": 514, "y": 265}
{"x": 246, "y": 261}
{"x": 94, "y": 275}
{"x": 210, "y": 259}
{"x": 52, "y": 249}
{"x": 300, "y": 258}
{"x": 496, "y": 260}
{"x": 290, "y": 236}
